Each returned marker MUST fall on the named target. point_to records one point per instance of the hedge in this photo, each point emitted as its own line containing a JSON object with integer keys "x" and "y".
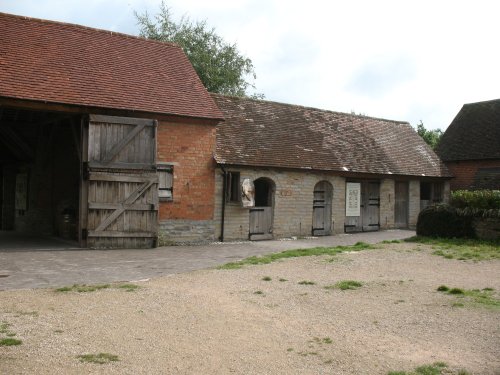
{"x": 444, "y": 221}
{"x": 476, "y": 199}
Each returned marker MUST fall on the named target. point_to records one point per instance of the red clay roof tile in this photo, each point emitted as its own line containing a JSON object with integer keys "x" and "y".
{"x": 270, "y": 134}
{"x": 70, "y": 64}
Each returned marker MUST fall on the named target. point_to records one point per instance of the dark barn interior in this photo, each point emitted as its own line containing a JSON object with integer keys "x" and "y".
{"x": 39, "y": 172}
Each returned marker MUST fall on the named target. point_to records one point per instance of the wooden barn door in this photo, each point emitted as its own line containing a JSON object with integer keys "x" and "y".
{"x": 322, "y": 209}
{"x": 370, "y": 198}
{"x": 121, "y": 183}
{"x": 401, "y": 204}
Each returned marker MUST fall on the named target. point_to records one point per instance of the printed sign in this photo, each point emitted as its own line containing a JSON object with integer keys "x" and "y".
{"x": 352, "y": 199}
{"x": 247, "y": 193}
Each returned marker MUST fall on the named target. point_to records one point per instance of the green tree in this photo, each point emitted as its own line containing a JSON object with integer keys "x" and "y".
{"x": 431, "y": 137}
{"x": 220, "y": 66}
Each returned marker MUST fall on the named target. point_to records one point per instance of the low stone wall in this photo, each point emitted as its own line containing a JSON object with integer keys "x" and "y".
{"x": 487, "y": 228}
{"x": 173, "y": 232}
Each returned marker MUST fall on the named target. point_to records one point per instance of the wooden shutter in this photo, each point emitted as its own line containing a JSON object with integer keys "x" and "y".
{"x": 122, "y": 190}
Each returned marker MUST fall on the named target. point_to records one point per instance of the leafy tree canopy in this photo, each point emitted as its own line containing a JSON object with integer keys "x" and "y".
{"x": 220, "y": 66}
{"x": 431, "y": 137}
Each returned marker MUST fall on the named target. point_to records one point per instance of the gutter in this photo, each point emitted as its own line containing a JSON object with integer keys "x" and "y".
{"x": 224, "y": 184}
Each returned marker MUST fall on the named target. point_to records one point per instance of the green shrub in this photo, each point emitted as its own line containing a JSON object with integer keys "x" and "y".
{"x": 444, "y": 221}
{"x": 477, "y": 199}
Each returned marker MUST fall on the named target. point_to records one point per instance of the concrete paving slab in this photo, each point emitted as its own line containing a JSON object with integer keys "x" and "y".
{"x": 25, "y": 269}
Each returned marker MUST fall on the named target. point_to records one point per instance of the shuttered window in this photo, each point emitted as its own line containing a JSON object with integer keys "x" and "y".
{"x": 165, "y": 182}
{"x": 233, "y": 188}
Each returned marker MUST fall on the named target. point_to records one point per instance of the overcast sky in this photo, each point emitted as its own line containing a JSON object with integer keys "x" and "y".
{"x": 402, "y": 60}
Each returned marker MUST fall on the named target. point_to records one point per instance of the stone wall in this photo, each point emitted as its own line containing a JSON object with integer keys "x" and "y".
{"x": 387, "y": 203}
{"x": 186, "y": 231}
{"x": 293, "y": 200}
{"x": 414, "y": 203}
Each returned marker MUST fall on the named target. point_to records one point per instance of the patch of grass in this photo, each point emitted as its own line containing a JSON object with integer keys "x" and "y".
{"x": 327, "y": 340}
{"x": 266, "y": 278}
{"x": 83, "y": 288}
{"x": 260, "y": 292}
{"x": 4, "y": 327}
{"x": 9, "y": 341}
{"x": 289, "y": 350}
{"x": 306, "y": 282}
{"x": 100, "y": 358}
{"x": 129, "y": 287}
{"x": 282, "y": 280}
{"x": 58, "y": 331}
{"x": 315, "y": 251}
{"x": 442, "y": 288}
{"x": 345, "y": 285}
{"x": 475, "y": 296}
{"x": 434, "y": 369}
{"x": 461, "y": 248}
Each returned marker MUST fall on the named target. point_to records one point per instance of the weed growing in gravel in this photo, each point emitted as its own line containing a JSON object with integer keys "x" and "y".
{"x": 460, "y": 248}
{"x": 282, "y": 280}
{"x": 9, "y": 341}
{"x": 391, "y": 241}
{"x": 475, "y": 296}
{"x": 129, "y": 287}
{"x": 306, "y": 282}
{"x": 434, "y": 369}
{"x": 84, "y": 288}
{"x": 315, "y": 251}
{"x": 345, "y": 285}
{"x": 100, "y": 358}
{"x": 266, "y": 278}
{"x": 260, "y": 292}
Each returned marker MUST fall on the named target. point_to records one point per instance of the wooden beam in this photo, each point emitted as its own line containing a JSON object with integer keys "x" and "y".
{"x": 121, "y": 177}
{"x": 16, "y": 144}
{"x": 114, "y": 234}
{"x": 121, "y": 120}
{"x": 116, "y": 206}
{"x": 138, "y": 166}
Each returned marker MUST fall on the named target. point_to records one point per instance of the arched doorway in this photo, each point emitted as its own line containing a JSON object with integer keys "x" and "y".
{"x": 261, "y": 216}
{"x": 322, "y": 209}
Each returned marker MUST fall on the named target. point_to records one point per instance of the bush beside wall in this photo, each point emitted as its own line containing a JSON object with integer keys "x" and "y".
{"x": 471, "y": 214}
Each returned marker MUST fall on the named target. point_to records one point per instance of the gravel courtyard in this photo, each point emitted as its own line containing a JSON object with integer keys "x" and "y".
{"x": 240, "y": 322}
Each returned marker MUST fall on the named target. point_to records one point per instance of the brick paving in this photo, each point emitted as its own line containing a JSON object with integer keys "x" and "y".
{"x": 53, "y": 264}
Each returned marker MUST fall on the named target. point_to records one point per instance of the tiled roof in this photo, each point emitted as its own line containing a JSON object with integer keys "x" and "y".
{"x": 263, "y": 133}
{"x": 474, "y": 133}
{"x": 70, "y": 64}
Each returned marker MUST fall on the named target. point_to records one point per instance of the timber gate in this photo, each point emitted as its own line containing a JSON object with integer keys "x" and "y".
{"x": 369, "y": 209}
{"x": 401, "y": 204}
{"x": 119, "y": 192}
{"x": 322, "y": 209}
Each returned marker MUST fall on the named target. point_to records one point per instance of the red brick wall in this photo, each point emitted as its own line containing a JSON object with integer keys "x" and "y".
{"x": 464, "y": 171}
{"x": 190, "y": 147}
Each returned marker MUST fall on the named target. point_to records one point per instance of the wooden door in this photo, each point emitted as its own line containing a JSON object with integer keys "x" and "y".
{"x": 261, "y": 223}
{"x": 121, "y": 183}
{"x": 322, "y": 209}
{"x": 370, "y": 198}
{"x": 401, "y": 204}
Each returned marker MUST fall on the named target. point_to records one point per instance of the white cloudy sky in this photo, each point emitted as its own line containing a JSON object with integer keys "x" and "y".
{"x": 403, "y": 60}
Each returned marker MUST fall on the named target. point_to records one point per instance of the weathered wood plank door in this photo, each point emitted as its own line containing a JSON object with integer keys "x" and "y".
{"x": 370, "y": 209}
{"x": 122, "y": 184}
{"x": 322, "y": 209}
{"x": 261, "y": 223}
{"x": 401, "y": 204}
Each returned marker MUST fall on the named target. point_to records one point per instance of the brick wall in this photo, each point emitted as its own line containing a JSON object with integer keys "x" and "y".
{"x": 464, "y": 171}
{"x": 189, "y": 148}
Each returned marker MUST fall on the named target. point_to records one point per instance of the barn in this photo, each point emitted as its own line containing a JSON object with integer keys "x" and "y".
{"x": 105, "y": 139}
{"x": 288, "y": 170}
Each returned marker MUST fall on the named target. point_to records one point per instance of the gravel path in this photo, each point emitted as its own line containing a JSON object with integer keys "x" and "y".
{"x": 214, "y": 322}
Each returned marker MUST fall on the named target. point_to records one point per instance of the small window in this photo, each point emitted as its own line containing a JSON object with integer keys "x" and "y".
{"x": 165, "y": 182}
{"x": 425, "y": 191}
{"x": 437, "y": 192}
{"x": 233, "y": 188}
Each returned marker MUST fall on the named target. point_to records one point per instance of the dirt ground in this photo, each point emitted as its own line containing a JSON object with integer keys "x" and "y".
{"x": 233, "y": 322}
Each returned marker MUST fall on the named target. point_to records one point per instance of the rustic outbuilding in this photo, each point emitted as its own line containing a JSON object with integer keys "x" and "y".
{"x": 106, "y": 139}
{"x": 314, "y": 172}
{"x": 470, "y": 146}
